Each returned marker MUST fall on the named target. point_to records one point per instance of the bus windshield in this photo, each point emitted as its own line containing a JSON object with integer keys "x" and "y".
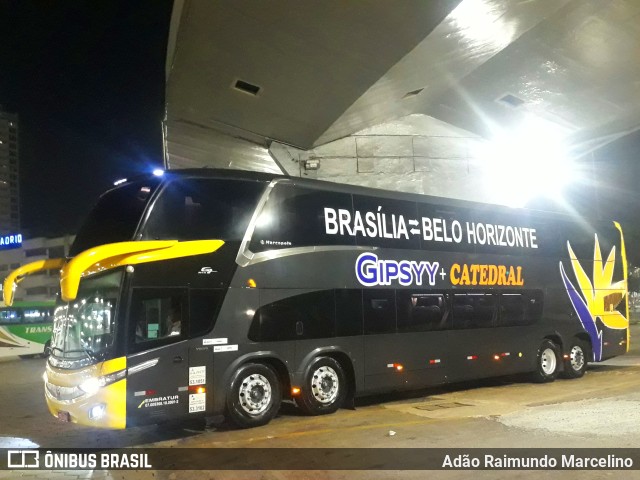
{"x": 116, "y": 215}
{"x": 84, "y": 329}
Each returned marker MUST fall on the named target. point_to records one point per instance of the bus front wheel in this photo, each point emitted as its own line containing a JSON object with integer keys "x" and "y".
{"x": 254, "y": 397}
{"x": 325, "y": 387}
{"x": 47, "y": 349}
{"x": 576, "y": 362}
{"x": 546, "y": 363}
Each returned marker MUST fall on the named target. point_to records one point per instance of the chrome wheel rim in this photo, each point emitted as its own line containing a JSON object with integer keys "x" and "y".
{"x": 548, "y": 361}
{"x": 576, "y": 356}
{"x": 325, "y": 384}
{"x": 255, "y": 394}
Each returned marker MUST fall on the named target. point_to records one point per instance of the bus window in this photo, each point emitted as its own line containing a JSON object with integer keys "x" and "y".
{"x": 115, "y": 217}
{"x": 348, "y": 312}
{"x": 203, "y": 309}
{"x": 511, "y": 310}
{"x": 9, "y": 317}
{"x": 393, "y": 209}
{"x": 419, "y": 312}
{"x": 534, "y": 306}
{"x": 473, "y": 310}
{"x": 36, "y": 315}
{"x": 309, "y": 315}
{"x": 295, "y": 217}
{"x": 196, "y": 209}
{"x": 274, "y": 322}
{"x": 379, "y": 311}
{"x": 157, "y": 315}
{"x": 318, "y": 313}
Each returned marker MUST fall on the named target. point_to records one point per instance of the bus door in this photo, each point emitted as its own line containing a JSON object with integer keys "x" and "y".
{"x": 158, "y": 360}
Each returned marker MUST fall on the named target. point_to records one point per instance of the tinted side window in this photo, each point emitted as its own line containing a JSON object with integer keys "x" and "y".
{"x": 387, "y": 223}
{"x": 419, "y": 312}
{"x": 199, "y": 209}
{"x": 116, "y": 216}
{"x": 535, "y": 304}
{"x": 295, "y": 217}
{"x": 512, "y": 309}
{"x": 274, "y": 322}
{"x": 379, "y": 311}
{"x": 310, "y": 315}
{"x": 348, "y": 312}
{"x": 203, "y": 310}
{"x": 473, "y": 310}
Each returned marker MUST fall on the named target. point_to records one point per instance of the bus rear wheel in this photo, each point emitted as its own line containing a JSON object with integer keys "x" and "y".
{"x": 325, "y": 387}
{"x": 546, "y": 363}
{"x": 576, "y": 363}
{"x": 254, "y": 397}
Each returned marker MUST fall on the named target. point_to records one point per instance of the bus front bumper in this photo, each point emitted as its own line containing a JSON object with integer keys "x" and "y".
{"x": 77, "y": 395}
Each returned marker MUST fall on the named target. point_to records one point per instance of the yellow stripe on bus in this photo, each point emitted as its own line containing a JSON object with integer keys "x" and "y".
{"x": 112, "y": 255}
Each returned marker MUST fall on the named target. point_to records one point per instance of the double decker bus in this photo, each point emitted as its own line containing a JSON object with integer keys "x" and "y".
{"x": 25, "y": 329}
{"x": 208, "y": 292}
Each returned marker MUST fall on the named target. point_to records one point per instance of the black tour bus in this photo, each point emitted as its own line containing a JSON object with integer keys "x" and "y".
{"x": 208, "y": 292}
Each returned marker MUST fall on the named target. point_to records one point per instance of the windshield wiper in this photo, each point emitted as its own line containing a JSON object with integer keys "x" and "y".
{"x": 87, "y": 351}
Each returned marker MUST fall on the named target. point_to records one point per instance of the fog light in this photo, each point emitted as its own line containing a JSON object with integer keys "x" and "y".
{"x": 97, "y": 411}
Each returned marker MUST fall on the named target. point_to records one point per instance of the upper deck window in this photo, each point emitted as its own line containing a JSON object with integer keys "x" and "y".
{"x": 294, "y": 216}
{"x": 116, "y": 216}
{"x": 203, "y": 208}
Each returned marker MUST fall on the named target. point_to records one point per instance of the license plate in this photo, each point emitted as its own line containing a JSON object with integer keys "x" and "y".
{"x": 64, "y": 416}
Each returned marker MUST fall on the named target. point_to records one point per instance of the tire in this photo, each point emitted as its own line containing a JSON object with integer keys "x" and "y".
{"x": 576, "y": 364}
{"x": 547, "y": 362}
{"x": 47, "y": 349}
{"x": 325, "y": 387}
{"x": 254, "y": 396}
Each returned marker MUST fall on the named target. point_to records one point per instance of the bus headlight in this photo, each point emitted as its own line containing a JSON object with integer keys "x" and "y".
{"x": 92, "y": 385}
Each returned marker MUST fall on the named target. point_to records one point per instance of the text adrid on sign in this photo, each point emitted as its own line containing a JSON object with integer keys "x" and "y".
{"x": 376, "y": 225}
{"x": 10, "y": 241}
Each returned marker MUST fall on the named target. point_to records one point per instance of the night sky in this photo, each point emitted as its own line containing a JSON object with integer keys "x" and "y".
{"x": 87, "y": 80}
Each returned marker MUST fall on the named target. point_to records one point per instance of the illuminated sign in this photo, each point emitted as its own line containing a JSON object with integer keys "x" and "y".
{"x": 377, "y": 224}
{"x": 372, "y": 271}
{"x": 486, "y": 275}
{"x": 10, "y": 241}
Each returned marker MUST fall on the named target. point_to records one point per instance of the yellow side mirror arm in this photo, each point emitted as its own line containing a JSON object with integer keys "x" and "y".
{"x": 15, "y": 277}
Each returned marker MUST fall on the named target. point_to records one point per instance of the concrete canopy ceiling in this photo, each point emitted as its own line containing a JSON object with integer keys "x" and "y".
{"x": 326, "y": 70}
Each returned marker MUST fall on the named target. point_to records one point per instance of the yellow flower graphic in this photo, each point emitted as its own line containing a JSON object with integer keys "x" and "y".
{"x": 601, "y": 298}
